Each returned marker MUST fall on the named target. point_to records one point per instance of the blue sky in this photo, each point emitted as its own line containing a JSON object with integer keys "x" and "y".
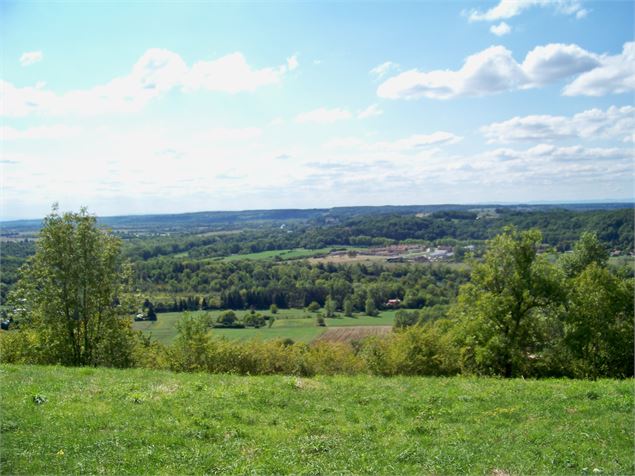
{"x": 151, "y": 108}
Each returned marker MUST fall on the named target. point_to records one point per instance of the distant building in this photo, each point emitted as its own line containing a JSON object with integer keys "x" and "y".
{"x": 393, "y": 302}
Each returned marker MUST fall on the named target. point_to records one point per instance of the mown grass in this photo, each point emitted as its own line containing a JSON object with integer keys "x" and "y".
{"x": 296, "y": 324}
{"x": 82, "y": 420}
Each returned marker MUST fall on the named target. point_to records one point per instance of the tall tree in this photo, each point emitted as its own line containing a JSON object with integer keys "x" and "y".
{"x": 506, "y": 309}
{"x": 70, "y": 293}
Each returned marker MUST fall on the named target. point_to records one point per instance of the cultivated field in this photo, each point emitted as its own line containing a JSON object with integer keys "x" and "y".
{"x": 296, "y": 324}
{"x": 58, "y": 420}
{"x": 352, "y": 333}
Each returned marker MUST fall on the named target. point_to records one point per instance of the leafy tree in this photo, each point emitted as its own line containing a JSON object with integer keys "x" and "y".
{"x": 505, "y": 312}
{"x": 586, "y": 251}
{"x": 330, "y": 307}
{"x": 71, "y": 293}
{"x": 227, "y": 318}
{"x": 348, "y": 307}
{"x": 273, "y": 309}
{"x": 320, "y": 321}
{"x": 599, "y": 324}
{"x": 405, "y": 319}
{"x": 371, "y": 309}
{"x": 313, "y": 307}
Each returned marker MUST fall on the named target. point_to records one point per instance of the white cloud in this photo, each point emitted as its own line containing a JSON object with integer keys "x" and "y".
{"x": 614, "y": 123}
{"x": 31, "y": 57}
{"x": 42, "y": 132}
{"x": 549, "y": 153}
{"x": 409, "y": 144}
{"x": 615, "y": 75}
{"x": 292, "y": 62}
{"x": 230, "y": 74}
{"x": 232, "y": 134}
{"x": 489, "y": 71}
{"x": 494, "y": 70}
{"x": 155, "y": 73}
{"x": 510, "y": 8}
{"x": 384, "y": 68}
{"x": 501, "y": 29}
{"x": 323, "y": 116}
{"x": 371, "y": 111}
{"x": 549, "y": 63}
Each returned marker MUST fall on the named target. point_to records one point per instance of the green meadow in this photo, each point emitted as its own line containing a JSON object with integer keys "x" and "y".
{"x": 296, "y": 324}
{"x": 58, "y": 420}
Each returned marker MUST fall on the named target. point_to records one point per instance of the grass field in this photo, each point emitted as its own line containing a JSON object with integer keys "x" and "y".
{"x": 59, "y": 420}
{"x": 290, "y": 323}
{"x": 295, "y": 253}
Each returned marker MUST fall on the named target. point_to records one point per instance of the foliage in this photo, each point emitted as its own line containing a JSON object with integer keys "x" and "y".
{"x": 70, "y": 294}
{"x": 369, "y": 307}
{"x": 330, "y": 307}
{"x": 599, "y": 324}
{"x": 505, "y": 309}
{"x": 347, "y": 307}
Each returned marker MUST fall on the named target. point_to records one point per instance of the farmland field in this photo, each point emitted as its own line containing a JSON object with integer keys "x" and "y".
{"x": 58, "y": 420}
{"x": 295, "y": 253}
{"x": 296, "y": 324}
{"x": 351, "y": 333}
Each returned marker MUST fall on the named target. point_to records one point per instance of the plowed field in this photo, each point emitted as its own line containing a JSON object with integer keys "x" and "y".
{"x": 348, "y": 334}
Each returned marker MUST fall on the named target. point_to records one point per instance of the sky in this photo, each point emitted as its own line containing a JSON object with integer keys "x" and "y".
{"x": 165, "y": 107}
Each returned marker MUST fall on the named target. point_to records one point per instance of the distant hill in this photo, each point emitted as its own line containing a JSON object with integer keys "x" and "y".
{"x": 210, "y": 220}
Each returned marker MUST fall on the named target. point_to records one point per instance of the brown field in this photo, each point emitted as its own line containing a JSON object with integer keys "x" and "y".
{"x": 348, "y": 334}
{"x": 345, "y": 259}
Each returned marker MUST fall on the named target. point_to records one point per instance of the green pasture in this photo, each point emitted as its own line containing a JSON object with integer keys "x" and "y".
{"x": 297, "y": 324}
{"x": 58, "y": 420}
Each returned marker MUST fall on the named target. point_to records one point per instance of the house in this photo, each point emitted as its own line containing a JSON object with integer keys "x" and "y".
{"x": 393, "y": 302}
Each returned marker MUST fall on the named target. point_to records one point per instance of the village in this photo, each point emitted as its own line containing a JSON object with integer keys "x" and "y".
{"x": 401, "y": 253}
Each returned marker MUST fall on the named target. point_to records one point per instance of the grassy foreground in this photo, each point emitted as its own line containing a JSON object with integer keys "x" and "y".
{"x": 85, "y": 420}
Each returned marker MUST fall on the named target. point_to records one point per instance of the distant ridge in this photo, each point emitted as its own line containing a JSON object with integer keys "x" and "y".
{"x": 206, "y": 219}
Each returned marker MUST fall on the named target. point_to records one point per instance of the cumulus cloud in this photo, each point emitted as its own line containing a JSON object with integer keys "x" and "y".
{"x": 383, "y": 69}
{"x": 323, "y": 115}
{"x": 371, "y": 111}
{"x": 31, "y": 57}
{"x": 549, "y": 63}
{"x": 615, "y": 75}
{"x": 506, "y": 9}
{"x": 495, "y": 70}
{"x": 489, "y": 71}
{"x": 614, "y": 123}
{"x": 501, "y": 29}
{"x": 155, "y": 73}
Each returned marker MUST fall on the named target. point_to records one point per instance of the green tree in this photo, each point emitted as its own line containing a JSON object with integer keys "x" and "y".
{"x": 313, "y": 307}
{"x": 599, "y": 324}
{"x": 227, "y": 318}
{"x": 273, "y": 309}
{"x": 330, "y": 306}
{"x": 71, "y": 293}
{"x": 586, "y": 251}
{"x": 405, "y": 319}
{"x": 506, "y": 312}
{"x": 371, "y": 309}
{"x": 348, "y": 307}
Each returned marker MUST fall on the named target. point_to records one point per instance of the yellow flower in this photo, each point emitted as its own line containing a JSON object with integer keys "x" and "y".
{"x": 60, "y": 453}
